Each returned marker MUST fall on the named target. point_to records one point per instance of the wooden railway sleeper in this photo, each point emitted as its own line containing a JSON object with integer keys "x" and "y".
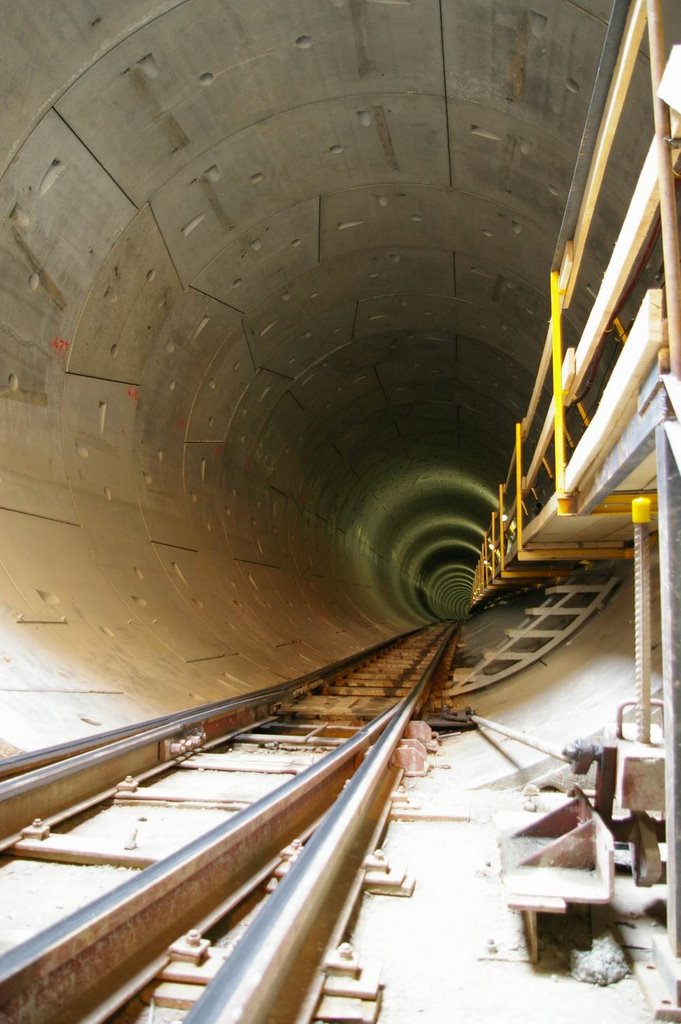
{"x": 312, "y": 905}
{"x": 65, "y": 961}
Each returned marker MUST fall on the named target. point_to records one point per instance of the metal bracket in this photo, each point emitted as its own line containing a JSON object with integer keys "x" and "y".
{"x": 352, "y": 991}
{"x": 288, "y": 856}
{"x": 382, "y": 879}
{"x": 191, "y": 948}
{"x": 182, "y": 746}
{"x": 37, "y": 830}
{"x": 411, "y": 756}
{"x": 128, "y": 785}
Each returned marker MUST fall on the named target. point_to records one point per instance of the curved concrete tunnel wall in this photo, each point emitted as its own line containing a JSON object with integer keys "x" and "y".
{"x": 274, "y": 287}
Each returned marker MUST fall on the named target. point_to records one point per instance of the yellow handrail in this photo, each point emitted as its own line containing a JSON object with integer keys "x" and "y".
{"x": 519, "y": 485}
{"x": 558, "y": 396}
{"x": 494, "y": 567}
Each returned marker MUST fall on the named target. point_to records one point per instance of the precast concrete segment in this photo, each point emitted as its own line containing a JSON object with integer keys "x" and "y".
{"x": 274, "y": 291}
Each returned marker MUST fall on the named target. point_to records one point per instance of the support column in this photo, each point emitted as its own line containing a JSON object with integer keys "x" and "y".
{"x": 669, "y": 522}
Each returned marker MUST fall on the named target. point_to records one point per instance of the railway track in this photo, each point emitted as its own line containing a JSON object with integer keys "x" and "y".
{"x": 208, "y": 862}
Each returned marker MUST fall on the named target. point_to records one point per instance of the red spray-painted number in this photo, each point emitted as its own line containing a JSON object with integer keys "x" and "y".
{"x": 182, "y": 422}
{"x": 219, "y": 449}
{"x": 133, "y": 392}
{"x": 60, "y": 346}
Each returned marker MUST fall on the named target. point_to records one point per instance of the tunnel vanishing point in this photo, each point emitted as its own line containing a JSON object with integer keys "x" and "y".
{"x": 275, "y": 286}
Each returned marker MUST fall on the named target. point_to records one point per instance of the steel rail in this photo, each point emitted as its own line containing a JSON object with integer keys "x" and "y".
{"x": 19, "y": 764}
{"x": 267, "y": 976}
{"x": 80, "y": 779}
{"x": 71, "y": 969}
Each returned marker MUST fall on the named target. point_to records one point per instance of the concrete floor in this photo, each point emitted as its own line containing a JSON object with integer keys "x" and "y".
{"x": 434, "y": 947}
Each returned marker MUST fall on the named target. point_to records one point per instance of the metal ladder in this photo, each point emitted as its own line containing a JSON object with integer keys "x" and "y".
{"x": 544, "y": 628}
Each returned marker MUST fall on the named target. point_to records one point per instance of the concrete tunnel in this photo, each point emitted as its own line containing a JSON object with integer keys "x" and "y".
{"x": 275, "y": 285}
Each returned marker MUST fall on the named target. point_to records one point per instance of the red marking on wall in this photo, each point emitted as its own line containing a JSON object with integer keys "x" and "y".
{"x": 60, "y": 346}
{"x": 182, "y": 422}
{"x": 133, "y": 393}
{"x": 219, "y": 449}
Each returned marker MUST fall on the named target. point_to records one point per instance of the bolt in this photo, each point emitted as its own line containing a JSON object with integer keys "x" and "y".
{"x": 132, "y": 841}
{"x": 379, "y": 855}
{"x": 127, "y": 785}
{"x": 193, "y": 938}
{"x": 492, "y": 946}
{"x": 345, "y": 951}
{"x": 36, "y": 830}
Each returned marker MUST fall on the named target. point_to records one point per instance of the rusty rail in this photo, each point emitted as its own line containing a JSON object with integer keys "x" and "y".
{"x": 178, "y": 721}
{"x": 87, "y": 777}
{"x": 78, "y": 968}
{"x": 275, "y": 962}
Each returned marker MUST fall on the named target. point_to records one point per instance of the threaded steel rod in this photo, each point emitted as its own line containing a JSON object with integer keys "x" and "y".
{"x": 521, "y": 737}
{"x": 642, "y": 627}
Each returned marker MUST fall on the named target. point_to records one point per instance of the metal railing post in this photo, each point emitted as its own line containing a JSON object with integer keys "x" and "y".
{"x": 519, "y": 484}
{"x": 493, "y": 539}
{"x": 502, "y": 529}
{"x": 558, "y": 408}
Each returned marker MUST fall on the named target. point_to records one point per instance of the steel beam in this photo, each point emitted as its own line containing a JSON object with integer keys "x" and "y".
{"x": 669, "y": 525}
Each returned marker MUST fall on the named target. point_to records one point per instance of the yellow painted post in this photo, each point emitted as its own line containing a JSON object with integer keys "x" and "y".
{"x": 519, "y": 484}
{"x": 558, "y": 409}
{"x": 620, "y": 331}
{"x": 494, "y": 542}
{"x": 502, "y": 531}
